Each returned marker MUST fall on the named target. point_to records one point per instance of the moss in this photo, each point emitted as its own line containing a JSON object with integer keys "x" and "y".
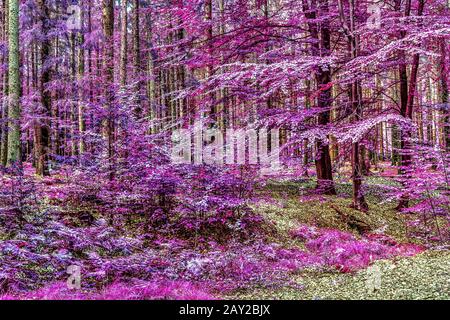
{"x": 289, "y": 211}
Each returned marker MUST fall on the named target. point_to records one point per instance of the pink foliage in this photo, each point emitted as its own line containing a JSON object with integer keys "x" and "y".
{"x": 345, "y": 252}
{"x": 140, "y": 290}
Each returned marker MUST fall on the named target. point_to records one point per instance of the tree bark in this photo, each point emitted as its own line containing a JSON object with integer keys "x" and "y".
{"x": 14, "y": 110}
{"x": 137, "y": 58}
{"x": 108, "y": 69}
{"x": 123, "y": 44}
{"x": 324, "y": 168}
{"x": 209, "y": 37}
{"x": 81, "y": 101}
{"x": 408, "y": 93}
{"x": 445, "y": 93}
{"x": 4, "y": 103}
{"x": 42, "y": 128}
{"x": 355, "y": 95}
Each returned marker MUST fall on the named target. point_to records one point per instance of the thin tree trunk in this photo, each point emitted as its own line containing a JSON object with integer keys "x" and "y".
{"x": 81, "y": 120}
{"x": 209, "y": 36}
{"x": 108, "y": 68}
{"x": 445, "y": 93}
{"x": 123, "y": 44}
{"x": 4, "y": 105}
{"x": 137, "y": 57}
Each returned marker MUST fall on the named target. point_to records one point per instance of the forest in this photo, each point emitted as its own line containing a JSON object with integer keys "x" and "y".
{"x": 224, "y": 149}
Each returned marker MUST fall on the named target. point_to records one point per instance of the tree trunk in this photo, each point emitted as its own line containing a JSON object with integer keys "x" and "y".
{"x": 209, "y": 37}
{"x": 108, "y": 69}
{"x": 14, "y": 110}
{"x": 355, "y": 96}
{"x": 81, "y": 120}
{"x": 445, "y": 94}
{"x": 42, "y": 129}
{"x": 123, "y": 44}
{"x": 4, "y": 103}
{"x": 137, "y": 58}
{"x": 323, "y": 163}
{"x": 407, "y": 106}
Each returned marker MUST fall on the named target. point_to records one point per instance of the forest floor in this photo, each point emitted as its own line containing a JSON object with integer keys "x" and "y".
{"x": 39, "y": 256}
{"x": 424, "y": 276}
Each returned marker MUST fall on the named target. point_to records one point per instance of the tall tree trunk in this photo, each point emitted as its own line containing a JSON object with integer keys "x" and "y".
{"x": 14, "y": 110}
{"x": 108, "y": 69}
{"x": 209, "y": 37}
{"x": 90, "y": 58}
{"x": 81, "y": 101}
{"x": 445, "y": 93}
{"x": 137, "y": 57}
{"x": 305, "y": 141}
{"x": 123, "y": 44}
{"x": 408, "y": 93}
{"x": 4, "y": 103}
{"x": 73, "y": 106}
{"x": 42, "y": 129}
{"x": 355, "y": 95}
{"x": 152, "y": 89}
{"x": 324, "y": 168}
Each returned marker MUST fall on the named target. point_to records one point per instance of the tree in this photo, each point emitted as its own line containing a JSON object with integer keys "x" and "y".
{"x": 4, "y": 82}
{"x": 123, "y": 44}
{"x": 443, "y": 70}
{"x": 108, "y": 69}
{"x": 81, "y": 96}
{"x": 321, "y": 46}
{"x": 14, "y": 109}
{"x": 137, "y": 56}
{"x": 355, "y": 97}
{"x": 407, "y": 97}
{"x": 42, "y": 129}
